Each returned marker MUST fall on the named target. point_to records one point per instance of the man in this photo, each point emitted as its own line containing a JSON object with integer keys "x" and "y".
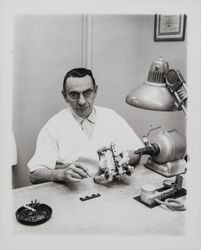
{"x": 67, "y": 145}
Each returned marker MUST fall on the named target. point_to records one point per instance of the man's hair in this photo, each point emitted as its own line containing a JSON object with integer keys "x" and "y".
{"x": 78, "y": 72}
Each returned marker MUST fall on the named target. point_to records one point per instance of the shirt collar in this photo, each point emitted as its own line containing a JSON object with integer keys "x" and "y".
{"x": 91, "y": 118}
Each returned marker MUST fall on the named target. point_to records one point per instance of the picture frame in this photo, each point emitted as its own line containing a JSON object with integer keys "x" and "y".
{"x": 169, "y": 27}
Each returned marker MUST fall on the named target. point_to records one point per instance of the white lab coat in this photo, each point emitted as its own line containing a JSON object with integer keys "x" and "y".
{"x": 62, "y": 140}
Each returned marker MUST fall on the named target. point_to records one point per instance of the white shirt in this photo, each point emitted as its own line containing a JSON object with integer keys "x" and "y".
{"x": 63, "y": 140}
{"x": 87, "y": 124}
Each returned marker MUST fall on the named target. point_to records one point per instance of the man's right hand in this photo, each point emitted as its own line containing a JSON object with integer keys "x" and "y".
{"x": 68, "y": 174}
{"x": 74, "y": 173}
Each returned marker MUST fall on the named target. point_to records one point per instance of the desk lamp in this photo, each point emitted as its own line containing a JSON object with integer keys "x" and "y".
{"x": 164, "y": 91}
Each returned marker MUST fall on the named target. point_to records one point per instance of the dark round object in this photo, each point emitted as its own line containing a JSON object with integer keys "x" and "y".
{"x": 27, "y": 217}
{"x": 107, "y": 174}
{"x": 128, "y": 172}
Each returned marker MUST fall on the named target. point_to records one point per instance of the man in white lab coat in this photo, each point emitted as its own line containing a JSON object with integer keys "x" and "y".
{"x": 67, "y": 145}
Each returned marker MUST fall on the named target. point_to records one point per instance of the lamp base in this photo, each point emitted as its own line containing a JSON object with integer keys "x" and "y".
{"x": 168, "y": 169}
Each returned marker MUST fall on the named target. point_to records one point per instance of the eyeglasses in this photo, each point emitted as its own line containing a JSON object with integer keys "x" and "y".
{"x": 75, "y": 96}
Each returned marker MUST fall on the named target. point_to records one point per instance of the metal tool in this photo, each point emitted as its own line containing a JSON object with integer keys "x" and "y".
{"x": 149, "y": 194}
{"x": 109, "y": 159}
{"x": 167, "y": 150}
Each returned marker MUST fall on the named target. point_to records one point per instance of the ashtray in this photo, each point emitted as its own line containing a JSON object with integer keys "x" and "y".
{"x": 34, "y": 213}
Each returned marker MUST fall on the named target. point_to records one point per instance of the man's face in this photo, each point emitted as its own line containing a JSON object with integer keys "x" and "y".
{"x": 80, "y": 95}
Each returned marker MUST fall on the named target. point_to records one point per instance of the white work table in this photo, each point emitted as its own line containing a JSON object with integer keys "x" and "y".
{"x": 115, "y": 212}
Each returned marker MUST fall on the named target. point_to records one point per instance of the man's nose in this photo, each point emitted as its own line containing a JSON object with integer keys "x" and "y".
{"x": 81, "y": 100}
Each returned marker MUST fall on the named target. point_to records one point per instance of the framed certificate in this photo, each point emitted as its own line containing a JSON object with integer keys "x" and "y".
{"x": 169, "y": 27}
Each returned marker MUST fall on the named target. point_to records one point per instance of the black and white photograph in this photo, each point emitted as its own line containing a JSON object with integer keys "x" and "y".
{"x": 97, "y": 142}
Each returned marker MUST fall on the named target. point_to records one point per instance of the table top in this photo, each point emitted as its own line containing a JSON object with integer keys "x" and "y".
{"x": 115, "y": 212}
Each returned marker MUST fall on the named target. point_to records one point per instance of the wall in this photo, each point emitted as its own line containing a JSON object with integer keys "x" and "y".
{"x": 121, "y": 51}
{"x": 117, "y": 60}
{"x": 173, "y": 52}
{"x": 122, "y": 55}
{"x": 44, "y": 48}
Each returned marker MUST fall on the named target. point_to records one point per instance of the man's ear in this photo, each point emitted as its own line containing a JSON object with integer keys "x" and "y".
{"x": 64, "y": 96}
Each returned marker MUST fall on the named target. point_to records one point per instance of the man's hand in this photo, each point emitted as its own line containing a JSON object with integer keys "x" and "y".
{"x": 74, "y": 173}
{"x": 69, "y": 174}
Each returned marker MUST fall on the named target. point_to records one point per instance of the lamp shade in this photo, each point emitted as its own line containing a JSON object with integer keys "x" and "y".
{"x": 153, "y": 94}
